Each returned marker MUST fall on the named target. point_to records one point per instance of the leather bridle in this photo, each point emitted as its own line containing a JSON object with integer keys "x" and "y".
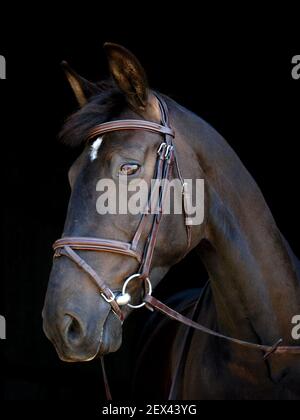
{"x": 166, "y": 160}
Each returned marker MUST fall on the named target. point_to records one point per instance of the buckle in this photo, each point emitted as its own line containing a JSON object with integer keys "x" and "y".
{"x": 161, "y": 149}
{"x": 168, "y": 152}
{"x": 109, "y": 300}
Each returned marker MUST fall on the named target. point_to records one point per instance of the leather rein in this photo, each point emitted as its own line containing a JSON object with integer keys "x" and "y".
{"x": 166, "y": 160}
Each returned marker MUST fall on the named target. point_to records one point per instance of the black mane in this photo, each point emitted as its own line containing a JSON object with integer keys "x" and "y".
{"x": 101, "y": 108}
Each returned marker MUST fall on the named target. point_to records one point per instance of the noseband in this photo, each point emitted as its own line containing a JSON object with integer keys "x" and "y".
{"x": 166, "y": 160}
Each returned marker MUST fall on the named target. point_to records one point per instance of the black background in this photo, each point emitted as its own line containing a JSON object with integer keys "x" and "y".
{"x": 236, "y": 75}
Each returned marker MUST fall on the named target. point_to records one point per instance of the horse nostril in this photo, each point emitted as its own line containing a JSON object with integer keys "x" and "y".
{"x": 73, "y": 330}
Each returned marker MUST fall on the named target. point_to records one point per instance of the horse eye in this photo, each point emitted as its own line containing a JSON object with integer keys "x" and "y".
{"x": 129, "y": 168}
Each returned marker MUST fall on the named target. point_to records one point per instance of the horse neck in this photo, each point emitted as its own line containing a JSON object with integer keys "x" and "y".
{"x": 252, "y": 270}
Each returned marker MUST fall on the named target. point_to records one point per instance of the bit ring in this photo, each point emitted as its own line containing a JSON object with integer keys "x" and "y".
{"x": 134, "y": 276}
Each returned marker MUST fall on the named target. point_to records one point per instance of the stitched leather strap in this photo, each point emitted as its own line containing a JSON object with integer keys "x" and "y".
{"x": 153, "y": 303}
{"x": 99, "y": 245}
{"x": 164, "y": 172}
{"x": 123, "y": 125}
{"x": 105, "y": 380}
{"x": 67, "y": 251}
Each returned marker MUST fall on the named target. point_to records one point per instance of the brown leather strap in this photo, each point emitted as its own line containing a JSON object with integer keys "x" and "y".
{"x": 164, "y": 111}
{"x": 182, "y": 353}
{"x": 105, "y": 380}
{"x": 140, "y": 230}
{"x": 184, "y": 200}
{"x": 153, "y": 303}
{"x": 99, "y": 245}
{"x": 104, "y": 289}
{"x": 122, "y": 125}
{"x": 164, "y": 174}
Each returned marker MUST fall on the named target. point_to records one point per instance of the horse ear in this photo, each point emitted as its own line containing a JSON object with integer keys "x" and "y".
{"x": 82, "y": 88}
{"x": 129, "y": 75}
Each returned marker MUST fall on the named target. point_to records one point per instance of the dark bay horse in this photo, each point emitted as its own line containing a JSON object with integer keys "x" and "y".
{"x": 253, "y": 292}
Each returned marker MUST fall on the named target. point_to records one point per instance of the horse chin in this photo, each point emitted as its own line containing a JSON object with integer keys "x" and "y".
{"x": 111, "y": 336}
{"x": 110, "y": 340}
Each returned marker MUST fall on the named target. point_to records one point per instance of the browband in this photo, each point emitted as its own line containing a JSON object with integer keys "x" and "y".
{"x": 122, "y": 125}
